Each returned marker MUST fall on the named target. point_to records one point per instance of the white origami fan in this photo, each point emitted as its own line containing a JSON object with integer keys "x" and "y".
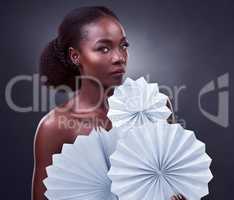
{"x": 137, "y": 102}
{"x": 158, "y": 160}
{"x": 80, "y": 171}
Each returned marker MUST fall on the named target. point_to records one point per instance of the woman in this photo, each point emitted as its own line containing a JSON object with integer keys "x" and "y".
{"x": 89, "y": 56}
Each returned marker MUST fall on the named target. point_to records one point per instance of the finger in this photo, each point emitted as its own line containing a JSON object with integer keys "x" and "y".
{"x": 174, "y": 197}
{"x": 181, "y": 197}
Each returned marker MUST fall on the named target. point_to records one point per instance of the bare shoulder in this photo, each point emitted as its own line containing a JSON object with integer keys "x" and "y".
{"x": 50, "y": 136}
{"x": 48, "y": 140}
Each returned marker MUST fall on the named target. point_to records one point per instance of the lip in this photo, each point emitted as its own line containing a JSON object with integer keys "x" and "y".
{"x": 118, "y": 71}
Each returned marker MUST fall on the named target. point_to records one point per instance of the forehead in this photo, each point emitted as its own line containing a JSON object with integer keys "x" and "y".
{"x": 106, "y": 27}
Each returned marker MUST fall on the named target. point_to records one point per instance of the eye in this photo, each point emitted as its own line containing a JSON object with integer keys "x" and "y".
{"x": 103, "y": 49}
{"x": 125, "y": 45}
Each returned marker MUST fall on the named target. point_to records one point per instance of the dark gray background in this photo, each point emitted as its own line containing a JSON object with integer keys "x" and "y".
{"x": 174, "y": 42}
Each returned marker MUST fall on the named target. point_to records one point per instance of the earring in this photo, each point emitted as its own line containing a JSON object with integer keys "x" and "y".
{"x": 77, "y": 62}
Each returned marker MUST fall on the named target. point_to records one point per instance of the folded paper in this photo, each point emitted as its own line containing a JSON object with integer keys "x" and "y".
{"x": 80, "y": 171}
{"x": 158, "y": 160}
{"x": 137, "y": 102}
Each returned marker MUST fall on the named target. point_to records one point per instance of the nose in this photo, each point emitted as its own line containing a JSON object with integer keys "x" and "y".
{"x": 118, "y": 58}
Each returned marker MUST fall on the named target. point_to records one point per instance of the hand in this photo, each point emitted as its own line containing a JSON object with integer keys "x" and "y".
{"x": 178, "y": 197}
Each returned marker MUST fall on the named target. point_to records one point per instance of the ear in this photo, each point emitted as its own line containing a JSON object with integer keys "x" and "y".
{"x": 74, "y": 55}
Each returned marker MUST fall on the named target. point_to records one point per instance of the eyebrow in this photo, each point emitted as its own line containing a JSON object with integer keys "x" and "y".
{"x": 105, "y": 40}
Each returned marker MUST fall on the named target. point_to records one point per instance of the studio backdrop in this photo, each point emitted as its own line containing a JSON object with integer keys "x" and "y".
{"x": 187, "y": 47}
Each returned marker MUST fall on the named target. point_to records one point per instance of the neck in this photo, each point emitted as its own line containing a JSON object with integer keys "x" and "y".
{"x": 91, "y": 97}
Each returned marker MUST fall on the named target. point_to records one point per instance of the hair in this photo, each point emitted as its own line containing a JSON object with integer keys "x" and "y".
{"x": 55, "y": 62}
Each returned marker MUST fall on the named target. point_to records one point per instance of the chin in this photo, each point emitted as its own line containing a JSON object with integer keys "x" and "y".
{"x": 117, "y": 82}
{"x": 113, "y": 82}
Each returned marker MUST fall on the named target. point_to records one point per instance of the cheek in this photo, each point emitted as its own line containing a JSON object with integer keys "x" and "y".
{"x": 99, "y": 66}
{"x": 92, "y": 59}
{"x": 95, "y": 64}
{"x": 125, "y": 55}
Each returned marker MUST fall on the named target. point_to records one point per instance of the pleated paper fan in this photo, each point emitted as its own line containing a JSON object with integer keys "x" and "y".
{"x": 109, "y": 140}
{"x": 158, "y": 160}
{"x": 137, "y": 102}
{"x": 80, "y": 171}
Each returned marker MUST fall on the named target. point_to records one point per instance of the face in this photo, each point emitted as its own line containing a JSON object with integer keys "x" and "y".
{"x": 103, "y": 52}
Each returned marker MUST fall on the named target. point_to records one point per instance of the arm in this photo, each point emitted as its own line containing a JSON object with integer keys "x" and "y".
{"x": 45, "y": 145}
